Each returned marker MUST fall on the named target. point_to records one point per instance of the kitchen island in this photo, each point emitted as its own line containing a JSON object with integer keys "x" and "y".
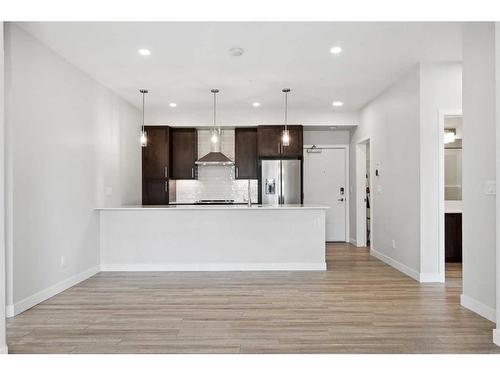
{"x": 212, "y": 238}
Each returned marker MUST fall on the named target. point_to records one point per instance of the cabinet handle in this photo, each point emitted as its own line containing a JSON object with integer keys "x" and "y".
{"x": 192, "y": 172}
{"x": 166, "y": 172}
{"x": 237, "y": 172}
{"x": 166, "y": 186}
{"x": 279, "y": 148}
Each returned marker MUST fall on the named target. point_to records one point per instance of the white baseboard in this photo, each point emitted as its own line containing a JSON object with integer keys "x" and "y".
{"x": 353, "y": 241}
{"x": 397, "y": 265}
{"x": 496, "y": 336}
{"x": 478, "y": 307}
{"x": 51, "y": 291}
{"x": 320, "y": 266}
{"x": 4, "y": 350}
{"x": 431, "y": 278}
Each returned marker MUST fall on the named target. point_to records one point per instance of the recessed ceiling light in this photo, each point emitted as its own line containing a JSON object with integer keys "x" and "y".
{"x": 337, "y": 104}
{"x": 256, "y": 104}
{"x": 236, "y": 51}
{"x": 144, "y": 52}
{"x": 173, "y": 105}
{"x": 336, "y": 50}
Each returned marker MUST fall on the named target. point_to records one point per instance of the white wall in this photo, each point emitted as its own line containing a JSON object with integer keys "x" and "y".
{"x": 392, "y": 123}
{"x": 440, "y": 88}
{"x": 251, "y": 117}
{"x": 478, "y": 167}
{"x": 496, "y": 332}
{"x": 3, "y": 342}
{"x": 326, "y": 137}
{"x": 72, "y": 146}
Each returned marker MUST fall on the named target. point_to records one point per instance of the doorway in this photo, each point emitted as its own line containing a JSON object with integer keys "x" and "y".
{"x": 364, "y": 204}
{"x": 450, "y": 188}
{"x": 326, "y": 182}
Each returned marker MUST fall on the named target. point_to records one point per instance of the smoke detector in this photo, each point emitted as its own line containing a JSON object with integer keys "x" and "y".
{"x": 236, "y": 51}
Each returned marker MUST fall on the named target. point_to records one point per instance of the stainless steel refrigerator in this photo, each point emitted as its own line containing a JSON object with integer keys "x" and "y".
{"x": 281, "y": 181}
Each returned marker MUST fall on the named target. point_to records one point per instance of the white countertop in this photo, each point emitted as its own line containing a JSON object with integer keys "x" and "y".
{"x": 199, "y": 207}
{"x": 453, "y": 207}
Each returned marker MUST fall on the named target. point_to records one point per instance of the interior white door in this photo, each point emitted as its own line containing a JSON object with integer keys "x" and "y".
{"x": 325, "y": 184}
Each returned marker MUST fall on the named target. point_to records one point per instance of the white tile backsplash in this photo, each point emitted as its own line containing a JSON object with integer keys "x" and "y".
{"x": 215, "y": 182}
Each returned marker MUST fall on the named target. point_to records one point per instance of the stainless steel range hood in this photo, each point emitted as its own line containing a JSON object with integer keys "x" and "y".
{"x": 214, "y": 158}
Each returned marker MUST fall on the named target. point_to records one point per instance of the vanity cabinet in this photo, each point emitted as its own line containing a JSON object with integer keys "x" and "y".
{"x": 183, "y": 153}
{"x": 269, "y": 143}
{"x": 453, "y": 237}
{"x": 245, "y": 151}
{"x": 155, "y": 160}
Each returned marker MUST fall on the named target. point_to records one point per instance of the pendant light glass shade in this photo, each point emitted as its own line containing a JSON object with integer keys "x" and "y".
{"x": 144, "y": 138}
{"x": 285, "y": 138}
{"x": 144, "y": 135}
{"x": 215, "y": 138}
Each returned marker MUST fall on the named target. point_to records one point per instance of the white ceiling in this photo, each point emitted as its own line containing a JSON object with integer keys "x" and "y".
{"x": 189, "y": 58}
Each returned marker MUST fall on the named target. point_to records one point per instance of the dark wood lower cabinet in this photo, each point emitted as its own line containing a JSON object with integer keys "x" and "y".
{"x": 154, "y": 191}
{"x": 453, "y": 237}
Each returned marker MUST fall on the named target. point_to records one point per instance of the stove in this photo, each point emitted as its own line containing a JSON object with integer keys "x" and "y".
{"x": 215, "y": 201}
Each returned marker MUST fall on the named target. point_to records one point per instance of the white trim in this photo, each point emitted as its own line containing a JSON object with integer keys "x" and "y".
{"x": 346, "y": 148}
{"x": 353, "y": 241}
{"x": 321, "y": 266}
{"x": 432, "y": 278}
{"x": 478, "y": 307}
{"x": 4, "y": 350}
{"x": 397, "y": 265}
{"x": 49, "y": 292}
{"x": 442, "y": 113}
{"x": 496, "y": 336}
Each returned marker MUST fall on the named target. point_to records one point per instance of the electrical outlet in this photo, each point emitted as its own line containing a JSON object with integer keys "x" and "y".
{"x": 393, "y": 244}
{"x": 63, "y": 261}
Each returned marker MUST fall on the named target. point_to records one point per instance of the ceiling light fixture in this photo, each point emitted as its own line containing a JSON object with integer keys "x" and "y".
{"x": 337, "y": 103}
{"x": 236, "y": 52}
{"x": 173, "y": 105}
{"x": 286, "y": 133}
{"x": 215, "y": 131}
{"x": 449, "y": 135}
{"x": 144, "y": 52}
{"x": 335, "y": 50}
{"x": 144, "y": 137}
{"x": 256, "y": 104}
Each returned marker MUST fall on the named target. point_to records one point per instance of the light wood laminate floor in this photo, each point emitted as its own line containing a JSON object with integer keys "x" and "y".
{"x": 359, "y": 305}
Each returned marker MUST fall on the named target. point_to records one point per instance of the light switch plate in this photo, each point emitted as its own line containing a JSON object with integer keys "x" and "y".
{"x": 490, "y": 188}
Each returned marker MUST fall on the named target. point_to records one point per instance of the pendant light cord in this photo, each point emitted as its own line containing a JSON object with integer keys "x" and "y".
{"x": 286, "y": 110}
{"x": 143, "y": 112}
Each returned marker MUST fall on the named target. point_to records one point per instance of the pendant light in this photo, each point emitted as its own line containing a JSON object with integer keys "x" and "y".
{"x": 285, "y": 139}
{"x": 215, "y": 138}
{"x": 144, "y": 137}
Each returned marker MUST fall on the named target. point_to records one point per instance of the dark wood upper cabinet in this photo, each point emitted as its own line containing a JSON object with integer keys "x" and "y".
{"x": 183, "y": 153}
{"x": 296, "y": 146}
{"x": 155, "y": 166}
{"x": 269, "y": 142}
{"x": 245, "y": 151}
